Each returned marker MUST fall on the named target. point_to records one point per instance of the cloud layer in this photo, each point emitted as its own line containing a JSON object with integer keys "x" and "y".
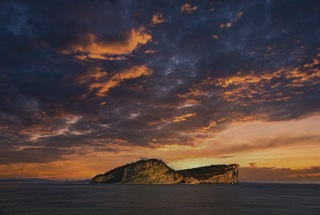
{"x": 82, "y": 77}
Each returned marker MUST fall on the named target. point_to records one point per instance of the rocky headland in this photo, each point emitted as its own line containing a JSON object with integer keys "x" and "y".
{"x": 154, "y": 171}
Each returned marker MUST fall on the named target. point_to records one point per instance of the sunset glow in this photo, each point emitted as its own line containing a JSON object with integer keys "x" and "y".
{"x": 90, "y": 85}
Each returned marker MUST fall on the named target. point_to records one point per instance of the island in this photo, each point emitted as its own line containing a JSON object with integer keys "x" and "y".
{"x": 154, "y": 171}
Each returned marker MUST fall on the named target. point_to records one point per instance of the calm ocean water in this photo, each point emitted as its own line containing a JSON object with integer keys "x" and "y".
{"x": 80, "y": 198}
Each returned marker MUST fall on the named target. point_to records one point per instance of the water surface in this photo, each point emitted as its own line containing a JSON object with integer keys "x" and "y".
{"x": 81, "y": 198}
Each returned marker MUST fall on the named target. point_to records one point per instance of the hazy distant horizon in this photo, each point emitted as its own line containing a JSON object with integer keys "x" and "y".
{"x": 271, "y": 176}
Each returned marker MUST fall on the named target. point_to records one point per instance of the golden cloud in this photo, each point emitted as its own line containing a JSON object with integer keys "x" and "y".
{"x": 248, "y": 85}
{"x": 183, "y": 117}
{"x": 99, "y": 80}
{"x": 248, "y": 88}
{"x": 97, "y": 48}
{"x": 207, "y": 128}
{"x": 94, "y": 74}
{"x": 248, "y": 78}
{"x": 198, "y": 90}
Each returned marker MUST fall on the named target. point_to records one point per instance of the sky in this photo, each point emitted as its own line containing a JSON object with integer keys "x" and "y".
{"x": 90, "y": 85}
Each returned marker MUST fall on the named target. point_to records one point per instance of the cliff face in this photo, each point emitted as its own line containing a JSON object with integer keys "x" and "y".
{"x": 214, "y": 174}
{"x": 155, "y": 171}
{"x": 142, "y": 172}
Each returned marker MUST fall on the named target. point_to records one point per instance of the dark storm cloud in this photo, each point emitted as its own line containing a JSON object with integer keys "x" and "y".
{"x": 98, "y": 73}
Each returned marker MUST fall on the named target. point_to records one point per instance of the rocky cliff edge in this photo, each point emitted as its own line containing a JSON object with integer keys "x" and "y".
{"x": 154, "y": 171}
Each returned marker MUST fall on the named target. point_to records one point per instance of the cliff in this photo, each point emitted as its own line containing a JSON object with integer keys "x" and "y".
{"x": 155, "y": 171}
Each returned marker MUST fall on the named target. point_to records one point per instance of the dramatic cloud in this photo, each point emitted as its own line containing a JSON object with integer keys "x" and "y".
{"x": 119, "y": 80}
{"x": 95, "y": 47}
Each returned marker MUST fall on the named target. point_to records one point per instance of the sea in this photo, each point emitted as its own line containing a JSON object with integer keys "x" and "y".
{"x": 112, "y": 199}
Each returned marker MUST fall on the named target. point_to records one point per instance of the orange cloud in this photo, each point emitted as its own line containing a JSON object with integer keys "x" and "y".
{"x": 89, "y": 57}
{"x": 272, "y": 145}
{"x": 314, "y": 63}
{"x": 158, "y": 18}
{"x": 103, "y": 86}
{"x": 160, "y": 123}
{"x": 187, "y": 8}
{"x": 183, "y": 117}
{"x": 248, "y": 78}
{"x": 81, "y": 57}
{"x": 199, "y": 90}
{"x": 95, "y": 74}
{"x": 243, "y": 86}
{"x": 207, "y": 128}
{"x": 97, "y": 48}
{"x": 248, "y": 88}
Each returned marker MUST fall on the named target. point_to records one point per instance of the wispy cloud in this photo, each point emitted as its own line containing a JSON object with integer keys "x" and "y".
{"x": 99, "y": 81}
{"x": 183, "y": 117}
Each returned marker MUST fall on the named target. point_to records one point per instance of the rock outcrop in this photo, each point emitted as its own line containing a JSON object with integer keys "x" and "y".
{"x": 153, "y": 171}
